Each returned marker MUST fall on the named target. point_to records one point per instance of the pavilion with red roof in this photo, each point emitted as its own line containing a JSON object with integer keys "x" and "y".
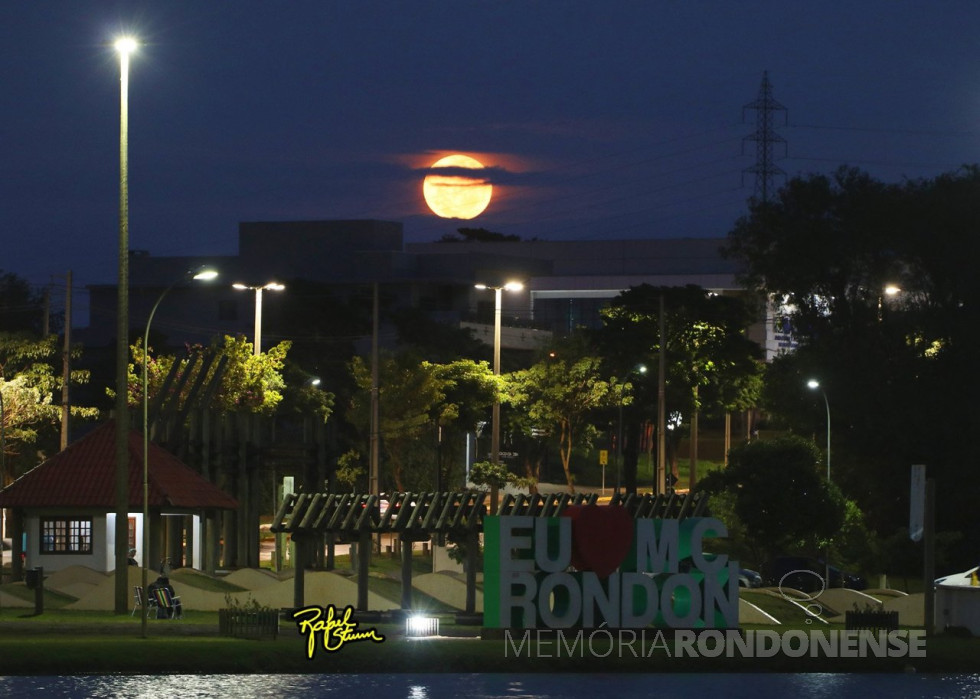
{"x": 64, "y": 509}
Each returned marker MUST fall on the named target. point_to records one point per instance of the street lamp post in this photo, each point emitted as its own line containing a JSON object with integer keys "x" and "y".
{"x": 3, "y": 468}
{"x": 887, "y": 290}
{"x": 271, "y": 286}
{"x": 642, "y": 369}
{"x": 495, "y": 416}
{"x": 124, "y": 46}
{"x": 814, "y": 385}
{"x": 203, "y": 274}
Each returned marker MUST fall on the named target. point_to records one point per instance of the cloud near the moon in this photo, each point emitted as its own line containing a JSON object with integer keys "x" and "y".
{"x": 486, "y": 175}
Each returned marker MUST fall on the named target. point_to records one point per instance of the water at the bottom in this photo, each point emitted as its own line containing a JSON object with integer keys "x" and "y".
{"x": 503, "y": 686}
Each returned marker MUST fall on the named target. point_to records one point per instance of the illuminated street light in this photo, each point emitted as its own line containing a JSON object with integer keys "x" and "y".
{"x": 271, "y": 286}
{"x": 203, "y": 274}
{"x": 124, "y": 46}
{"x": 814, "y": 385}
{"x": 495, "y": 418}
{"x": 640, "y": 369}
{"x": 887, "y": 290}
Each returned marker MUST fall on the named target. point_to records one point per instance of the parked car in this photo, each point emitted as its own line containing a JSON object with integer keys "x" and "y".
{"x": 749, "y": 578}
{"x": 807, "y": 575}
{"x": 746, "y": 578}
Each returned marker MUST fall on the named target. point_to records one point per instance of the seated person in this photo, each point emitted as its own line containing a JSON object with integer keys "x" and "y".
{"x": 163, "y": 582}
{"x": 131, "y": 560}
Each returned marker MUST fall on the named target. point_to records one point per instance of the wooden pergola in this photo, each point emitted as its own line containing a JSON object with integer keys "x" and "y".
{"x": 420, "y": 516}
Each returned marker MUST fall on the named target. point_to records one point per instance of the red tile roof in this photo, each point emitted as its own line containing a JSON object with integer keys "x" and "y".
{"x": 84, "y": 475}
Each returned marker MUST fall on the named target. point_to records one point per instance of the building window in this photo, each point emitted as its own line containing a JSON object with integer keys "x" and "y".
{"x": 71, "y": 536}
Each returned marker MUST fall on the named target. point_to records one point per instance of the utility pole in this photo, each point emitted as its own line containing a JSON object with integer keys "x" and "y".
{"x": 46, "y": 318}
{"x": 66, "y": 365}
{"x": 662, "y": 405}
{"x": 374, "y": 467}
{"x": 374, "y": 481}
{"x": 929, "y": 558}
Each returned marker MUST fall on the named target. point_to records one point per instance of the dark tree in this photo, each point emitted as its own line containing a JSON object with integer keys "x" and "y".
{"x": 712, "y": 367}
{"x": 21, "y": 309}
{"x": 780, "y": 496}
{"x": 898, "y": 370}
{"x": 478, "y": 235}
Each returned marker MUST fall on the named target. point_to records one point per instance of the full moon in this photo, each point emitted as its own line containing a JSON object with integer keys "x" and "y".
{"x": 455, "y": 196}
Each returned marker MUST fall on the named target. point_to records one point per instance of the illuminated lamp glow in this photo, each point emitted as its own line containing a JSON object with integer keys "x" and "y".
{"x": 126, "y": 45}
{"x": 420, "y": 626}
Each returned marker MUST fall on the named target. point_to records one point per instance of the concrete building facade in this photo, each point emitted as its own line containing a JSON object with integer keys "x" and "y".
{"x": 566, "y": 283}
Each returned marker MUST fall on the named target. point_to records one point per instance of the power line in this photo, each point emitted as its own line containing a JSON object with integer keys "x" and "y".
{"x": 869, "y": 129}
{"x": 876, "y": 162}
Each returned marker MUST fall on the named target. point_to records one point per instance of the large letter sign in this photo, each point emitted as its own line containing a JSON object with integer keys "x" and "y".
{"x": 596, "y": 566}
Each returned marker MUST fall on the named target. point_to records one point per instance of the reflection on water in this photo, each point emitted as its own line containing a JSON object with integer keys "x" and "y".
{"x": 503, "y": 686}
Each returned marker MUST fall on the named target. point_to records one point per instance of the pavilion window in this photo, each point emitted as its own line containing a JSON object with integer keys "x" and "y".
{"x": 66, "y": 536}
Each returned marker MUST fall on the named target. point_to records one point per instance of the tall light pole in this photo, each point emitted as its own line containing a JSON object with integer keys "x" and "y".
{"x": 3, "y": 468}
{"x": 887, "y": 290}
{"x": 814, "y": 385}
{"x": 124, "y": 46}
{"x": 495, "y": 417}
{"x": 203, "y": 274}
{"x": 271, "y": 286}
{"x": 374, "y": 460}
{"x": 642, "y": 369}
{"x": 661, "y": 482}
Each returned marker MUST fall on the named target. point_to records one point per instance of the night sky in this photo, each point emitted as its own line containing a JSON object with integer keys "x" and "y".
{"x": 600, "y": 120}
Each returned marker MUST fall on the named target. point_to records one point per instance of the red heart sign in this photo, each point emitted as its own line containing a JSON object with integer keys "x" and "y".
{"x": 601, "y": 537}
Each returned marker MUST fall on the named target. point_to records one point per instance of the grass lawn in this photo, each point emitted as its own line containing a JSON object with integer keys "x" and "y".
{"x": 72, "y": 642}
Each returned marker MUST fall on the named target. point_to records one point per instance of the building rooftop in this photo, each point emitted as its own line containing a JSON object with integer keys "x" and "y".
{"x": 84, "y": 476}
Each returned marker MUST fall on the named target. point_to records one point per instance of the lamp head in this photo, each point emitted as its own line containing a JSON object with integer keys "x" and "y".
{"x": 274, "y": 286}
{"x": 813, "y": 384}
{"x": 205, "y": 274}
{"x": 507, "y": 286}
{"x": 892, "y": 289}
{"x": 126, "y": 45}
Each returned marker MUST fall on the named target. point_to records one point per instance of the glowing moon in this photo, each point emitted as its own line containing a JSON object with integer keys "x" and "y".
{"x": 455, "y": 196}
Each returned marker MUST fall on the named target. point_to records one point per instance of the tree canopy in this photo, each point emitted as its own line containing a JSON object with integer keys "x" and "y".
{"x": 780, "y": 497}
{"x": 896, "y": 368}
{"x": 21, "y": 308}
{"x": 560, "y": 395}
{"x": 248, "y": 382}
{"x": 705, "y": 344}
{"x": 711, "y": 366}
{"x": 480, "y": 235}
{"x": 30, "y": 388}
{"x": 424, "y": 410}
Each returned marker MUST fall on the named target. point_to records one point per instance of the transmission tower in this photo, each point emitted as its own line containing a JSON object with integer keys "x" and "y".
{"x": 766, "y": 138}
